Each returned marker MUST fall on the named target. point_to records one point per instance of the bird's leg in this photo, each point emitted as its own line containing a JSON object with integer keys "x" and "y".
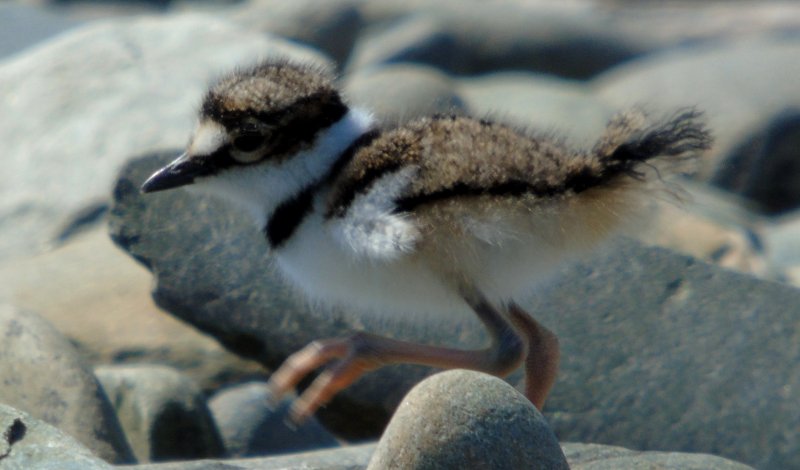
{"x": 364, "y": 352}
{"x": 541, "y": 360}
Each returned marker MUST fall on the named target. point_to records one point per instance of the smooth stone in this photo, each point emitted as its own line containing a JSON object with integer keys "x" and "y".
{"x": 765, "y": 168}
{"x": 101, "y": 302}
{"x": 538, "y": 102}
{"x": 23, "y": 26}
{"x": 27, "y": 443}
{"x": 164, "y": 414}
{"x": 397, "y": 93}
{"x": 485, "y": 38}
{"x": 740, "y": 86}
{"x": 251, "y": 426}
{"x": 330, "y": 26}
{"x": 83, "y": 101}
{"x": 600, "y": 457}
{"x": 463, "y": 419}
{"x": 41, "y": 373}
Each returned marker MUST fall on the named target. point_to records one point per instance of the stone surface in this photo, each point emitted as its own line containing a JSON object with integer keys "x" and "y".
{"x": 598, "y": 457}
{"x": 251, "y": 426}
{"x": 87, "y": 99}
{"x": 42, "y": 374}
{"x": 765, "y": 168}
{"x": 101, "y": 302}
{"x": 739, "y": 85}
{"x": 661, "y": 351}
{"x": 397, "y": 93}
{"x": 485, "y": 38}
{"x": 330, "y": 26}
{"x": 163, "y": 413}
{"x": 465, "y": 419}
{"x": 539, "y": 102}
{"x": 27, "y": 443}
{"x": 22, "y": 26}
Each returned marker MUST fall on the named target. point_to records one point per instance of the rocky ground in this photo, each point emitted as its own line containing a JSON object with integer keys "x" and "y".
{"x": 680, "y": 342}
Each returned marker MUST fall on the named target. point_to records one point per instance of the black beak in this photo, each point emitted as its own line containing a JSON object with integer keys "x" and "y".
{"x": 180, "y": 172}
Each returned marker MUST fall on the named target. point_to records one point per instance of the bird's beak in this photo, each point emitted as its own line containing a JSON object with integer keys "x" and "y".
{"x": 182, "y": 171}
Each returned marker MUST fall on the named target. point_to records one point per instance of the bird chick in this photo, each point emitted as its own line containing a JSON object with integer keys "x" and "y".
{"x": 440, "y": 214}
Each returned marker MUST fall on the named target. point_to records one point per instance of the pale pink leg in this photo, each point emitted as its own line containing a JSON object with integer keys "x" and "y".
{"x": 542, "y": 358}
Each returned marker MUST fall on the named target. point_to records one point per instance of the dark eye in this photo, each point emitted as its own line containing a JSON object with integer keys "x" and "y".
{"x": 248, "y": 142}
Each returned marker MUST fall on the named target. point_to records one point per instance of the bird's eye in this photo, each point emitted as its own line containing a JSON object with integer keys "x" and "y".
{"x": 248, "y": 142}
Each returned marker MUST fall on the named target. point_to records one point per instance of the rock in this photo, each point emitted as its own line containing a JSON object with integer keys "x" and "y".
{"x": 464, "y": 419}
{"x": 331, "y": 26}
{"x": 598, "y": 457}
{"x": 658, "y": 348}
{"x": 485, "y": 38}
{"x": 342, "y": 458}
{"x": 22, "y": 26}
{"x": 538, "y": 102}
{"x": 780, "y": 244}
{"x": 250, "y": 426}
{"x": 163, "y": 413}
{"x": 661, "y": 351}
{"x": 43, "y": 375}
{"x": 397, "y": 93}
{"x": 101, "y": 302}
{"x": 765, "y": 167}
{"x": 85, "y": 100}
{"x": 28, "y": 443}
{"x": 701, "y": 76}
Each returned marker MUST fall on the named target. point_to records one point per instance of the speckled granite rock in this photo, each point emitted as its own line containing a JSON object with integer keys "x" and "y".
{"x": 464, "y": 419}
{"x": 27, "y": 443}
{"x": 42, "y": 374}
{"x": 163, "y": 413}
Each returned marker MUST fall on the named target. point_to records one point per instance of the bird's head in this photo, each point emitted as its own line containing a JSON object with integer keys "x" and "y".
{"x": 252, "y": 125}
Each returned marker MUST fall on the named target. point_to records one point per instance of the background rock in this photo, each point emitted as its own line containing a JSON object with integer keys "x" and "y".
{"x": 251, "y": 426}
{"x": 465, "y": 419}
{"x": 42, "y": 374}
{"x": 597, "y": 457}
{"x": 28, "y": 443}
{"x": 101, "y": 302}
{"x": 397, "y": 93}
{"x": 163, "y": 413}
{"x": 86, "y": 100}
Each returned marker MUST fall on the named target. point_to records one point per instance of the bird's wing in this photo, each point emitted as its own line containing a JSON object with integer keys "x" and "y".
{"x": 371, "y": 227}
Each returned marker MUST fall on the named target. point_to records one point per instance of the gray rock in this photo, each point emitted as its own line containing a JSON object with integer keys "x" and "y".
{"x": 86, "y": 100}
{"x": 485, "y": 37}
{"x": 464, "y": 419}
{"x": 250, "y": 426}
{"x": 599, "y": 457}
{"x": 342, "y": 458}
{"x": 43, "y": 375}
{"x": 678, "y": 354}
{"x": 536, "y": 101}
{"x": 163, "y": 413}
{"x": 330, "y": 26}
{"x": 765, "y": 167}
{"x": 741, "y": 86}
{"x": 27, "y": 443}
{"x": 661, "y": 351}
{"x": 397, "y": 93}
{"x": 22, "y": 26}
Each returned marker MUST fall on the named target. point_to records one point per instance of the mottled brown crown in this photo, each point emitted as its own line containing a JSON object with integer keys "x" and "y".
{"x": 275, "y": 108}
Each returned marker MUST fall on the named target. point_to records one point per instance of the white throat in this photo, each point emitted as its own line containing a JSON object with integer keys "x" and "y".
{"x": 260, "y": 189}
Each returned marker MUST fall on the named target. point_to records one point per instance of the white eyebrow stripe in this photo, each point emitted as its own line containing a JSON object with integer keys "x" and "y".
{"x": 208, "y": 138}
